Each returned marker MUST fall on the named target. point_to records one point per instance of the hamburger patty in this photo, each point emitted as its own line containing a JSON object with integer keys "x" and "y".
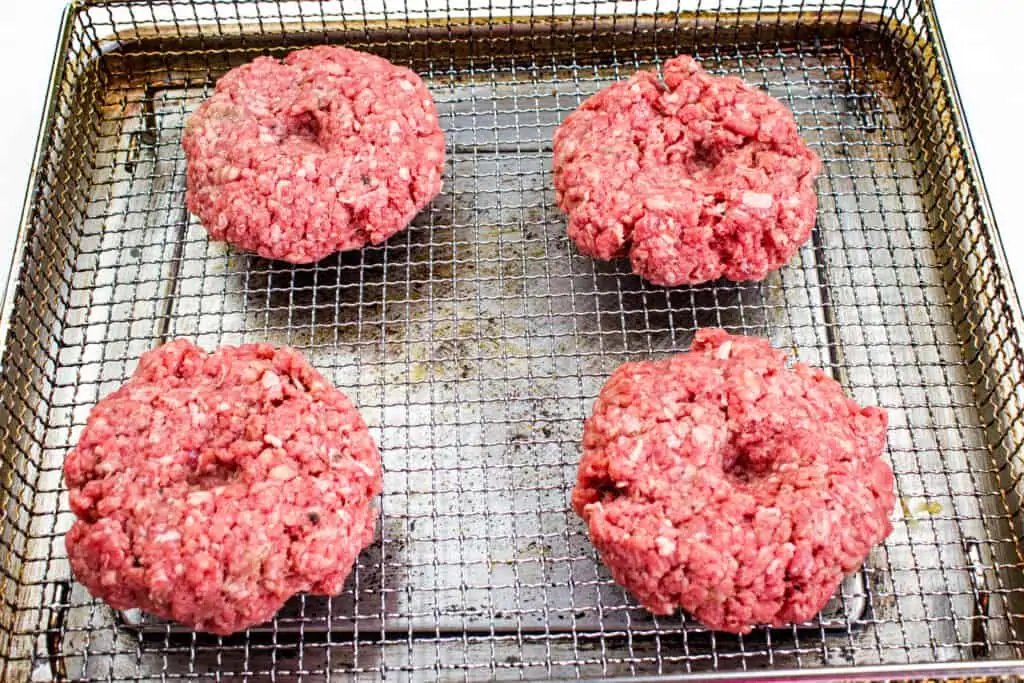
{"x": 724, "y": 482}
{"x": 211, "y": 487}
{"x": 695, "y": 177}
{"x": 327, "y": 151}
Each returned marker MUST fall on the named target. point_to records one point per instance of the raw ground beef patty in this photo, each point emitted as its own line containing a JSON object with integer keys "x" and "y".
{"x": 695, "y": 177}
{"x": 210, "y": 488}
{"x": 725, "y": 483}
{"x": 328, "y": 151}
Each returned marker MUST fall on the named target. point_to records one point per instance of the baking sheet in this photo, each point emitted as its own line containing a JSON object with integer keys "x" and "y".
{"x": 475, "y": 342}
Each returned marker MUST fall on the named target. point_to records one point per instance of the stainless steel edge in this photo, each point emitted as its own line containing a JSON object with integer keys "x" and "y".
{"x": 847, "y": 673}
{"x": 45, "y": 130}
{"x": 977, "y": 177}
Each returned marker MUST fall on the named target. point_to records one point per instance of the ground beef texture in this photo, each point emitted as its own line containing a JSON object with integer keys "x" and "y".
{"x": 694, "y": 177}
{"x": 329, "y": 150}
{"x": 211, "y": 487}
{"x": 726, "y": 483}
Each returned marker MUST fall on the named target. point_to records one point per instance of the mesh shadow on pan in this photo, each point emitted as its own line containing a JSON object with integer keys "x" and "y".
{"x": 632, "y": 313}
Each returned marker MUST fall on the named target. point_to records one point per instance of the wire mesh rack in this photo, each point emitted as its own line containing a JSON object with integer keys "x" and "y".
{"x": 475, "y": 342}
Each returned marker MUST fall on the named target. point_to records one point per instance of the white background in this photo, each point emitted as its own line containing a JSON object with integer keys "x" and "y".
{"x": 983, "y": 37}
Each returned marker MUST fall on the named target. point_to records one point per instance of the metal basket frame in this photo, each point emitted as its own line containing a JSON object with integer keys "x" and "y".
{"x": 475, "y": 341}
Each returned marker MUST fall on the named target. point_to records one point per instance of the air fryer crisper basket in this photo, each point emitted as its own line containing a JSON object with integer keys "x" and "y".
{"x": 475, "y": 342}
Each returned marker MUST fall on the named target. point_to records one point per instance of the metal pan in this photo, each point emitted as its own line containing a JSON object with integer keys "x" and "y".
{"x": 476, "y": 341}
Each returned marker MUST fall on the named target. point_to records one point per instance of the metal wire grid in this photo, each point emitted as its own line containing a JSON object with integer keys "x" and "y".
{"x": 475, "y": 342}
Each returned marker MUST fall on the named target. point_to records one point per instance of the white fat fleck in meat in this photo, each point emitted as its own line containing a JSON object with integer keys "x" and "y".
{"x": 233, "y": 173}
{"x": 638, "y": 450}
{"x": 197, "y": 498}
{"x": 757, "y": 200}
{"x": 666, "y": 546}
{"x": 272, "y": 440}
{"x": 703, "y": 435}
{"x": 282, "y": 473}
{"x": 197, "y": 414}
{"x": 659, "y": 203}
{"x": 364, "y": 467}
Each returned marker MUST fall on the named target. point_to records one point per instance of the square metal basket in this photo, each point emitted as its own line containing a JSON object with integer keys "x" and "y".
{"x": 475, "y": 342}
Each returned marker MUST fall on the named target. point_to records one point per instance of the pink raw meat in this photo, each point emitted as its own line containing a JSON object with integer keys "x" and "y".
{"x": 725, "y": 483}
{"x": 694, "y": 178}
{"x": 330, "y": 150}
{"x": 210, "y": 488}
